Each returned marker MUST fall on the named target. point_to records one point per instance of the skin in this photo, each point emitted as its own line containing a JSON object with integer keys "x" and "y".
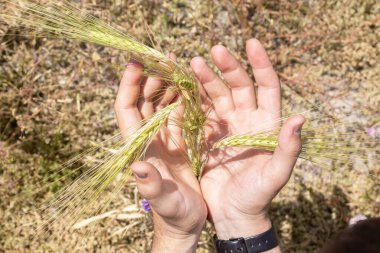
{"x": 237, "y": 185}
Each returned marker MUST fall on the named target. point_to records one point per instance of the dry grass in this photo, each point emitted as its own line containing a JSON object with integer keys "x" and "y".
{"x": 57, "y": 96}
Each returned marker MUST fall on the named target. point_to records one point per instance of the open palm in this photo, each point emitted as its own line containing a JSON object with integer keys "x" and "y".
{"x": 238, "y": 184}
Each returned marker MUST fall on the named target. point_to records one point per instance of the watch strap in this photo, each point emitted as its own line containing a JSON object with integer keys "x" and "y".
{"x": 254, "y": 244}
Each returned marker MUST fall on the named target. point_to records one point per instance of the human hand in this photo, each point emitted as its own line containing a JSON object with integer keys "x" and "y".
{"x": 239, "y": 188}
{"x": 165, "y": 179}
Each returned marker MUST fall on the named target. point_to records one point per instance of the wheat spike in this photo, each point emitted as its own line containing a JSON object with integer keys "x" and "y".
{"x": 84, "y": 194}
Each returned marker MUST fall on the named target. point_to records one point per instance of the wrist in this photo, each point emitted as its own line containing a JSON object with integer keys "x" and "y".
{"x": 163, "y": 243}
{"x": 249, "y": 232}
{"x": 245, "y": 226}
{"x": 171, "y": 239}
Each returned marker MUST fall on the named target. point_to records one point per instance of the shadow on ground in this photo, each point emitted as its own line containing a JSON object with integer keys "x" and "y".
{"x": 307, "y": 223}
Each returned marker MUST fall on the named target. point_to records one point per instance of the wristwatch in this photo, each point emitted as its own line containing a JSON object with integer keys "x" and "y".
{"x": 254, "y": 244}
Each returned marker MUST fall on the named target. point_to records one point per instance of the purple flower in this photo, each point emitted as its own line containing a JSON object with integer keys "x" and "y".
{"x": 356, "y": 219}
{"x": 145, "y": 206}
{"x": 371, "y": 132}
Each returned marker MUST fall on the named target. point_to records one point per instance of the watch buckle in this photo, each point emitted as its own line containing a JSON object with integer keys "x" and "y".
{"x": 240, "y": 243}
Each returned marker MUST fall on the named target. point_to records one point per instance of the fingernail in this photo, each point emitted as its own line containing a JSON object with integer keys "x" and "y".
{"x": 298, "y": 130}
{"x": 134, "y": 63}
{"x": 141, "y": 175}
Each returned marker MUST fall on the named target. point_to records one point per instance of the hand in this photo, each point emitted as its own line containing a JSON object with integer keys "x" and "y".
{"x": 165, "y": 179}
{"x": 239, "y": 184}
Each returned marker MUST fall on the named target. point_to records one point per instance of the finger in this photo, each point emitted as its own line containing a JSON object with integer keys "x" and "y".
{"x": 206, "y": 103}
{"x": 126, "y": 110}
{"x": 167, "y": 98}
{"x": 208, "y": 110}
{"x": 219, "y": 93}
{"x": 287, "y": 151}
{"x": 242, "y": 89}
{"x": 158, "y": 192}
{"x": 175, "y": 126}
{"x": 170, "y": 92}
{"x": 269, "y": 90}
{"x": 172, "y": 56}
{"x": 150, "y": 90}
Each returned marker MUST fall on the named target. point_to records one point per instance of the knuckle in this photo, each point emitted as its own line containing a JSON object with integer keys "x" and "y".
{"x": 291, "y": 148}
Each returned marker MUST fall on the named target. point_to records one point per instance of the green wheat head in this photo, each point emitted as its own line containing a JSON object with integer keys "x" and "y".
{"x": 113, "y": 171}
{"x": 62, "y": 20}
{"x": 323, "y": 143}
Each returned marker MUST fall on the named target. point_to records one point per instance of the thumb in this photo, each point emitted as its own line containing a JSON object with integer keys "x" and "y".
{"x": 160, "y": 193}
{"x": 148, "y": 179}
{"x": 287, "y": 151}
